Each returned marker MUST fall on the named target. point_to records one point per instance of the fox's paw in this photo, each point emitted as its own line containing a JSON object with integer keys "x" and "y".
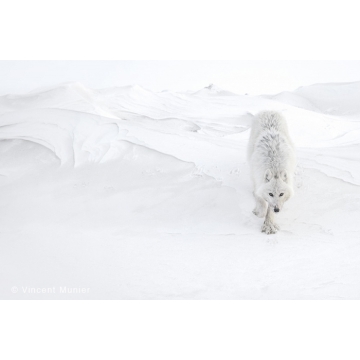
{"x": 259, "y": 213}
{"x": 276, "y": 226}
{"x": 269, "y": 228}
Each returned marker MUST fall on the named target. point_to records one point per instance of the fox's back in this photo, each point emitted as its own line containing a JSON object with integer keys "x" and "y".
{"x": 272, "y": 120}
{"x": 270, "y": 145}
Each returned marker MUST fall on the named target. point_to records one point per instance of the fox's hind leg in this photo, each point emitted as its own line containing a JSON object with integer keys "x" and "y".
{"x": 269, "y": 226}
{"x": 261, "y": 206}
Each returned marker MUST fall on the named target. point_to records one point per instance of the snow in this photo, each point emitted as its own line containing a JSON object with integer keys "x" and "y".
{"x": 133, "y": 194}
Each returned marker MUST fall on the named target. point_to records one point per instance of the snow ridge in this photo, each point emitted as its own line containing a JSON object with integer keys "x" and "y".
{"x": 146, "y": 195}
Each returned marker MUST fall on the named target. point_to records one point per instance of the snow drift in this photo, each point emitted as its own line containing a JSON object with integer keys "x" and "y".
{"x": 140, "y": 195}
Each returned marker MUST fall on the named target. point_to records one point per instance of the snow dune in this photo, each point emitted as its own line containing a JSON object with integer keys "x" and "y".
{"x": 133, "y": 194}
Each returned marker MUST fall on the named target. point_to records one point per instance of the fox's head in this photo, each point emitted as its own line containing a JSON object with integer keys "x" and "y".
{"x": 275, "y": 189}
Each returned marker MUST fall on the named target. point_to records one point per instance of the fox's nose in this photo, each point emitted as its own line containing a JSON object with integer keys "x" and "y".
{"x": 276, "y": 209}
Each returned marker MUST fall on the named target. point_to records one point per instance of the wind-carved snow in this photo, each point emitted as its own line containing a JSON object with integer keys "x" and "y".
{"x": 142, "y": 195}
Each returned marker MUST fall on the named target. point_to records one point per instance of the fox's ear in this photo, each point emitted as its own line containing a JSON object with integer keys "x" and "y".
{"x": 284, "y": 176}
{"x": 268, "y": 175}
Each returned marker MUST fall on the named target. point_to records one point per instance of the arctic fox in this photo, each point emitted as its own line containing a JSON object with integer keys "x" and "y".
{"x": 271, "y": 157}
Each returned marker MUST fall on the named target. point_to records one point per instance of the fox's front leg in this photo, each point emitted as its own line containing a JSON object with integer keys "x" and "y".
{"x": 261, "y": 206}
{"x": 269, "y": 226}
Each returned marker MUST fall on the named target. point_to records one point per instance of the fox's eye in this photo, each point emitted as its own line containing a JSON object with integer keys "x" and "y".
{"x": 281, "y": 194}
{"x": 271, "y": 194}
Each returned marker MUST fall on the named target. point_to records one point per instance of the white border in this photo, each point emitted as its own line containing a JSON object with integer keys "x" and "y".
{"x": 192, "y": 30}
{"x": 180, "y": 330}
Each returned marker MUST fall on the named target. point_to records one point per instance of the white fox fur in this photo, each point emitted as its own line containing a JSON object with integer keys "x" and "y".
{"x": 271, "y": 157}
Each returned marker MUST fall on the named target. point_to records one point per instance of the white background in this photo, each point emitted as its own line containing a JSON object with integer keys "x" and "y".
{"x": 182, "y": 30}
{"x": 254, "y": 77}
